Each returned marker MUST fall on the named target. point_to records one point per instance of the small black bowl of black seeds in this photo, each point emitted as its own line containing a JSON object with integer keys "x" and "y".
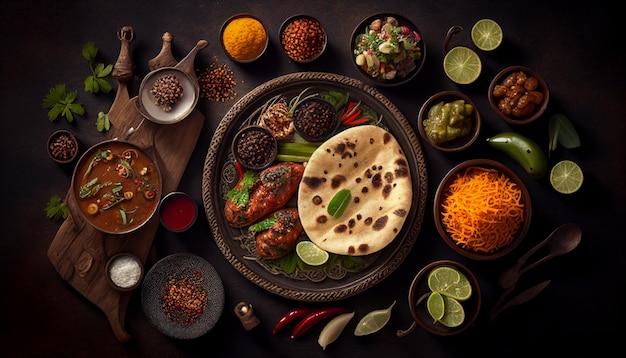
{"x": 255, "y": 147}
{"x": 62, "y": 146}
{"x": 316, "y": 120}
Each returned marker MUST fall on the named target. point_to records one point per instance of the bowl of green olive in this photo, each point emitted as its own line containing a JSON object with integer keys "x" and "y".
{"x": 449, "y": 121}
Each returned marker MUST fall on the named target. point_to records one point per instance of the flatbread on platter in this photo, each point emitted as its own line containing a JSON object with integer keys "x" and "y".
{"x": 369, "y": 162}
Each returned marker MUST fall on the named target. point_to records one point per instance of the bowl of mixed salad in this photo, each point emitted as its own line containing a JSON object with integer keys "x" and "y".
{"x": 388, "y": 49}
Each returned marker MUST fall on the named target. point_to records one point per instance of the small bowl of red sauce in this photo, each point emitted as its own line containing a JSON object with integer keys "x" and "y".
{"x": 178, "y": 211}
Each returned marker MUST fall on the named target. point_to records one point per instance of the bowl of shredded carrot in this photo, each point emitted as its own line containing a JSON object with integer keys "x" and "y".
{"x": 482, "y": 209}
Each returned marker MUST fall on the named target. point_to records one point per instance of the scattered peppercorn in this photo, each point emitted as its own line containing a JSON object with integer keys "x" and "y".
{"x": 63, "y": 147}
{"x": 303, "y": 39}
{"x": 217, "y": 83}
{"x": 167, "y": 90}
{"x": 315, "y": 119}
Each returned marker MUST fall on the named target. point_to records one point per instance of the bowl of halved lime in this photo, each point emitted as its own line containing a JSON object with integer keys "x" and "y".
{"x": 444, "y": 298}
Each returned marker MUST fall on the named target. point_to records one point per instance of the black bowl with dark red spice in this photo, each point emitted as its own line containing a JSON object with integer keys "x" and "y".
{"x": 62, "y": 146}
{"x": 255, "y": 147}
{"x": 303, "y": 38}
{"x": 315, "y": 120}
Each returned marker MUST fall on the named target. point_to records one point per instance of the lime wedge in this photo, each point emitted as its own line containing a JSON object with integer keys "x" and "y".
{"x": 450, "y": 282}
{"x": 487, "y": 34}
{"x": 566, "y": 177}
{"x": 454, "y": 314}
{"x": 435, "y": 306}
{"x": 311, "y": 254}
{"x": 462, "y": 65}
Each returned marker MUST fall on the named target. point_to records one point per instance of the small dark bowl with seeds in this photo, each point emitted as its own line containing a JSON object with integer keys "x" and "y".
{"x": 255, "y": 148}
{"x": 316, "y": 120}
{"x": 62, "y": 146}
{"x": 303, "y": 38}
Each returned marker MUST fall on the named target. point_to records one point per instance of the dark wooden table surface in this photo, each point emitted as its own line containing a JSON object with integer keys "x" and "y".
{"x": 577, "y": 49}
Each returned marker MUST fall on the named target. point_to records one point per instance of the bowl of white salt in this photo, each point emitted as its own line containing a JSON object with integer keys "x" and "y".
{"x": 124, "y": 271}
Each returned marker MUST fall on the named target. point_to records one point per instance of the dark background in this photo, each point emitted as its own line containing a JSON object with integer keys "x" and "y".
{"x": 577, "y": 49}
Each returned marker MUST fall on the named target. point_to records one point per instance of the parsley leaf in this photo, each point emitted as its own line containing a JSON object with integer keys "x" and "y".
{"x": 61, "y": 103}
{"x": 240, "y": 194}
{"x": 56, "y": 208}
{"x": 102, "y": 123}
{"x": 97, "y": 81}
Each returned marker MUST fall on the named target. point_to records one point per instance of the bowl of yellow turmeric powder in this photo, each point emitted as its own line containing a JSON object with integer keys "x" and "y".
{"x": 244, "y": 38}
{"x": 482, "y": 209}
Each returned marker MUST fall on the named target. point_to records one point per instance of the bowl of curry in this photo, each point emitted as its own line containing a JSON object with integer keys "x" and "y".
{"x": 117, "y": 187}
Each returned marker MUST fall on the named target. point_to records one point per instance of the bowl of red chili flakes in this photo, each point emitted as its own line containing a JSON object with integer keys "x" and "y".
{"x": 183, "y": 296}
{"x": 303, "y": 38}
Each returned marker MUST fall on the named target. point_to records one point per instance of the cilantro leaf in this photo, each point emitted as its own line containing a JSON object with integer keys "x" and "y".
{"x": 61, "y": 103}
{"x": 96, "y": 82}
{"x": 56, "y": 208}
{"x": 102, "y": 123}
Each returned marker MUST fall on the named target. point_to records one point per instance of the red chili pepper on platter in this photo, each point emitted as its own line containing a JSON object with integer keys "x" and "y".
{"x": 359, "y": 121}
{"x": 312, "y": 318}
{"x": 351, "y": 113}
{"x": 239, "y": 169}
{"x": 291, "y": 316}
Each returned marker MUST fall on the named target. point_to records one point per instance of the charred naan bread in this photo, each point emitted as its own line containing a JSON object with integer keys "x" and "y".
{"x": 369, "y": 162}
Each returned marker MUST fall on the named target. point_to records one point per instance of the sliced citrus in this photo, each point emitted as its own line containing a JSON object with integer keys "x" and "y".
{"x": 436, "y": 306}
{"x": 487, "y": 34}
{"x": 566, "y": 177}
{"x": 450, "y": 282}
{"x": 311, "y": 254}
{"x": 454, "y": 314}
{"x": 462, "y": 65}
{"x": 373, "y": 321}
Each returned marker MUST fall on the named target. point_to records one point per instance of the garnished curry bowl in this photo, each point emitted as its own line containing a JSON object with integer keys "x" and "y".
{"x": 244, "y": 38}
{"x": 117, "y": 187}
{"x": 387, "y": 49}
{"x": 302, "y": 38}
{"x": 482, "y": 209}
{"x": 519, "y": 95}
{"x": 449, "y": 121}
{"x": 419, "y": 292}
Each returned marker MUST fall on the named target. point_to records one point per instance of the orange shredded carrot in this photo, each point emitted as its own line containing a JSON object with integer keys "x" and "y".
{"x": 482, "y": 210}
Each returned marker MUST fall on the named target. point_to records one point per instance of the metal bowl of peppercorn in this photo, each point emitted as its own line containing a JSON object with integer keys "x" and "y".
{"x": 303, "y": 38}
{"x": 316, "y": 120}
{"x": 255, "y": 147}
{"x": 167, "y": 95}
{"x": 62, "y": 146}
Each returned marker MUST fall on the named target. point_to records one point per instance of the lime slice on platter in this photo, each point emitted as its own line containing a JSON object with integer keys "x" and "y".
{"x": 450, "y": 282}
{"x": 462, "y": 65}
{"x": 311, "y": 254}
{"x": 487, "y": 34}
{"x": 566, "y": 177}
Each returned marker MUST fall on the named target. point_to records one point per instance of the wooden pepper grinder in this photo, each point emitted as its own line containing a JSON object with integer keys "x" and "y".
{"x": 245, "y": 313}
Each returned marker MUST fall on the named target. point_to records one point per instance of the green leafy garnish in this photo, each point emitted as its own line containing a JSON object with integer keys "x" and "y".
{"x": 56, "y": 208}
{"x": 337, "y": 99}
{"x": 289, "y": 263}
{"x": 61, "y": 103}
{"x": 241, "y": 193}
{"x": 339, "y": 203}
{"x": 263, "y": 224}
{"x": 102, "y": 123}
{"x": 96, "y": 82}
{"x": 562, "y": 131}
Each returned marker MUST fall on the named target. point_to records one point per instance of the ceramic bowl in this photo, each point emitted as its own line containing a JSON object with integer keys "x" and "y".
{"x": 418, "y": 296}
{"x": 148, "y": 105}
{"x": 534, "y": 89}
{"x": 62, "y": 146}
{"x": 302, "y": 38}
{"x": 124, "y": 271}
{"x": 244, "y": 52}
{"x": 406, "y": 71}
{"x": 178, "y": 211}
{"x": 482, "y": 230}
{"x": 316, "y": 120}
{"x": 254, "y": 147}
{"x": 458, "y": 143}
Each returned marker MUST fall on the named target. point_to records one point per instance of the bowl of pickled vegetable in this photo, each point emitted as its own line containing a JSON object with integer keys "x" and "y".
{"x": 449, "y": 121}
{"x": 387, "y": 49}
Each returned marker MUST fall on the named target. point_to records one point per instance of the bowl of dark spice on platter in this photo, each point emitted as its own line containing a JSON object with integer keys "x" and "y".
{"x": 124, "y": 271}
{"x": 244, "y": 38}
{"x": 303, "y": 38}
{"x": 255, "y": 147}
{"x": 315, "y": 120}
{"x": 62, "y": 146}
{"x": 167, "y": 95}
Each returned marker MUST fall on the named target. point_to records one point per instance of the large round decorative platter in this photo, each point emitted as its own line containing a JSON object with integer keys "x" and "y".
{"x": 193, "y": 270}
{"x": 331, "y": 282}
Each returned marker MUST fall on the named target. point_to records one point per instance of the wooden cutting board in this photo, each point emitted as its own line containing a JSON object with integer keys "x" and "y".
{"x": 79, "y": 252}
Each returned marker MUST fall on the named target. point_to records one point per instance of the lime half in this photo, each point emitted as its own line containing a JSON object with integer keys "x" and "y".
{"x": 566, "y": 177}
{"x": 462, "y": 65}
{"x": 454, "y": 314}
{"x": 450, "y": 282}
{"x": 487, "y": 34}
{"x": 311, "y": 254}
{"x": 436, "y": 306}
